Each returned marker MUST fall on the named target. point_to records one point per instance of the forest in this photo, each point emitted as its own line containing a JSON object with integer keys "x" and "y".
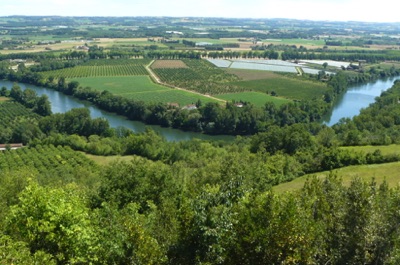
{"x": 80, "y": 191}
{"x": 196, "y": 202}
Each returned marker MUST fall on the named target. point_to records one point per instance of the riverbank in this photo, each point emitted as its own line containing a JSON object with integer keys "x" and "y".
{"x": 211, "y": 119}
{"x": 62, "y": 103}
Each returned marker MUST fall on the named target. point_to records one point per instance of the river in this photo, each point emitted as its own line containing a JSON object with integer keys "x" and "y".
{"x": 61, "y": 103}
{"x": 347, "y": 106}
{"x": 357, "y": 98}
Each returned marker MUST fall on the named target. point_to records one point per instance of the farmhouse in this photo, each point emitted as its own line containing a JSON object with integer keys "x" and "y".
{"x": 239, "y": 104}
{"x": 174, "y": 32}
{"x": 203, "y": 44}
{"x": 4, "y": 147}
{"x": 82, "y": 47}
{"x": 190, "y": 107}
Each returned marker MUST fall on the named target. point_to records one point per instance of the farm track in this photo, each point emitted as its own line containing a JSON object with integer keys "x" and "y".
{"x": 157, "y": 80}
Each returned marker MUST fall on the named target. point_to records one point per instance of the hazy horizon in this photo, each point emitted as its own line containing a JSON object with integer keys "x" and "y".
{"x": 316, "y": 10}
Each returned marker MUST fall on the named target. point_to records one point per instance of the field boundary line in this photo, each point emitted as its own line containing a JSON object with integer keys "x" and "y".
{"x": 157, "y": 80}
{"x": 299, "y": 70}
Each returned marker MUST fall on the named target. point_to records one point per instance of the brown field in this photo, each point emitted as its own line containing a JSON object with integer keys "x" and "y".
{"x": 171, "y": 64}
{"x": 252, "y": 74}
{"x": 2, "y": 99}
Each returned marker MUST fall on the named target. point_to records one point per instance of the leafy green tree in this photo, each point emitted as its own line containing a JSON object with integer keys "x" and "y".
{"x": 137, "y": 181}
{"x": 54, "y": 221}
{"x": 43, "y": 106}
{"x": 17, "y": 252}
{"x": 29, "y": 97}
{"x": 16, "y": 93}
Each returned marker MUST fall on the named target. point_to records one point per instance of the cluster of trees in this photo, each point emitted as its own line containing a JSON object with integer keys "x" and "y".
{"x": 377, "y": 125}
{"x": 29, "y": 98}
{"x": 213, "y": 206}
{"x": 338, "y": 55}
{"x": 210, "y": 118}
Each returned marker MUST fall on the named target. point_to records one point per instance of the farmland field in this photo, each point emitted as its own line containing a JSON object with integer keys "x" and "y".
{"x": 257, "y": 98}
{"x": 252, "y": 74}
{"x": 120, "y": 85}
{"x": 265, "y": 65}
{"x": 110, "y": 62}
{"x": 381, "y": 172}
{"x": 141, "y": 88}
{"x": 170, "y": 96}
{"x": 201, "y": 76}
{"x": 44, "y": 159}
{"x": 287, "y": 87}
{"x": 88, "y": 71}
{"x": 94, "y": 68}
{"x": 13, "y": 113}
{"x": 159, "y": 64}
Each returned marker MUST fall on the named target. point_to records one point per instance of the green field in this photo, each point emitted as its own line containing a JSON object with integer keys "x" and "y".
{"x": 141, "y": 88}
{"x": 121, "y": 85}
{"x": 104, "y": 70}
{"x": 171, "y": 96}
{"x": 257, "y": 98}
{"x": 297, "y": 42}
{"x": 385, "y": 149}
{"x": 105, "y": 160}
{"x": 380, "y": 172}
{"x": 291, "y": 88}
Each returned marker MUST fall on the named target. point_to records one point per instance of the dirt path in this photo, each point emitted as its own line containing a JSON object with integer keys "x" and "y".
{"x": 157, "y": 80}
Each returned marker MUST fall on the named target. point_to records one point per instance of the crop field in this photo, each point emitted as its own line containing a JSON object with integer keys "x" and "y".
{"x": 170, "y": 96}
{"x": 220, "y": 63}
{"x": 257, "y": 98}
{"x": 278, "y": 66}
{"x": 121, "y": 85}
{"x": 2, "y": 99}
{"x": 264, "y": 67}
{"x": 380, "y": 172}
{"x": 95, "y": 68}
{"x": 200, "y": 76}
{"x": 168, "y": 64}
{"x": 13, "y": 113}
{"x": 141, "y": 88}
{"x": 336, "y": 64}
{"x": 43, "y": 159}
{"x": 111, "y": 62}
{"x": 291, "y": 88}
{"x": 247, "y": 75}
{"x": 90, "y": 71}
{"x": 298, "y": 42}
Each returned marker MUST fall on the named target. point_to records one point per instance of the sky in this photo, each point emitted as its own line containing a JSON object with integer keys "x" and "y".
{"x": 332, "y": 10}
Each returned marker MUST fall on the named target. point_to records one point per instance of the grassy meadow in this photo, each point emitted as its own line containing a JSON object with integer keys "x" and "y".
{"x": 121, "y": 85}
{"x": 257, "y": 98}
{"x": 141, "y": 88}
{"x": 105, "y": 160}
{"x": 380, "y": 172}
{"x": 392, "y": 149}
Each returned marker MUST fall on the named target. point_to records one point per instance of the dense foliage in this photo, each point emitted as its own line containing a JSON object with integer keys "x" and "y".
{"x": 191, "y": 202}
{"x": 377, "y": 124}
